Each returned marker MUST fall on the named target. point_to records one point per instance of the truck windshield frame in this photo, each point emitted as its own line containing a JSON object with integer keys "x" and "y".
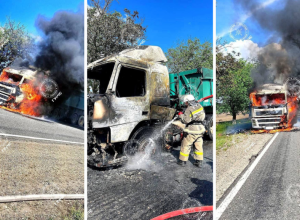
{"x": 131, "y": 82}
{"x": 102, "y": 74}
{"x": 14, "y": 79}
{"x": 269, "y": 99}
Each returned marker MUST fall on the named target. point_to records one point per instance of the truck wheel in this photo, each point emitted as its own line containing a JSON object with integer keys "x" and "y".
{"x": 131, "y": 147}
{"x": 150, "y": 145}
{"x": 74, "y": 118}
{"x": 143, "y": 140}
{"x": 81, "y": 121}
{"x": 210, "y": 129}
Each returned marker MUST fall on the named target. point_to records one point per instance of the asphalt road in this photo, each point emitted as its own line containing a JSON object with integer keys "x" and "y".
{"x": 272, "y": 190}
{"x": 16, "y": 124}
{"x": 142, "y": 194}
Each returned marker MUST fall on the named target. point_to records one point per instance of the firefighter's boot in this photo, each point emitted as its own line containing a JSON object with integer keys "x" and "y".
{"x": 198, "y": 163}
{"x": 181, "y": 163}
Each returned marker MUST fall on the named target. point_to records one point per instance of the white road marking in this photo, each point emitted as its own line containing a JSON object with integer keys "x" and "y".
{"x": 238, "y": 186}
{"x": 36, "y": 138}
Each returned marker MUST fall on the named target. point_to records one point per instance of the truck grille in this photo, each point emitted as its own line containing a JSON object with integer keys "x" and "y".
{"x": 266, "y": 122}
{"x": 5, "y": 90}
{"x": 269, "y": 125}
{"x": 277, "y": 120}
{"x": 3, "y": 97}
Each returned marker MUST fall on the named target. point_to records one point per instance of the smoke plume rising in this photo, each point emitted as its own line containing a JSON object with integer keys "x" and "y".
{"x": 62, "y": 48}
{"x": 278, "y": 61}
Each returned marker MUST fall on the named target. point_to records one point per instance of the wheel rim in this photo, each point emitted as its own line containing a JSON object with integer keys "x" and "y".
{"x": 147, "y": 146}
{"x": 131, "y": 147}
{"x": 81, "y": 121}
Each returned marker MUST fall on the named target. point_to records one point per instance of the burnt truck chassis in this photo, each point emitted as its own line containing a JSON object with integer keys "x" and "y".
{"x": 103, "y": 154}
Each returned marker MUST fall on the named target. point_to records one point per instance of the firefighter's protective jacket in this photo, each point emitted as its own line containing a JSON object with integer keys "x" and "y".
{"x": 192, "y": 117}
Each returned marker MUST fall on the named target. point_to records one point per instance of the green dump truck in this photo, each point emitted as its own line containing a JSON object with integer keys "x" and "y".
{"x": 199, "y": 83}
{"x": 134, "y": 101}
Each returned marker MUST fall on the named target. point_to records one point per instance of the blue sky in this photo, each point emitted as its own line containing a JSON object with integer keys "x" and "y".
{"x": 228, "y": 14}
{"x": 170, "y": 21}
{"x": 26, "y": 11}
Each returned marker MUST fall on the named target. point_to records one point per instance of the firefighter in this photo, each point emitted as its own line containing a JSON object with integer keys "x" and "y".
{"x": 193, "y": 118}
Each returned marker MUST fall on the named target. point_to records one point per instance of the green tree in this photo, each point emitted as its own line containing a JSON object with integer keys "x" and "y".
{"x": 109, "y": 32}
{"x": 190, "y": 54}
{"x": 15, "y": 42}
{"x": 233, "y": 90}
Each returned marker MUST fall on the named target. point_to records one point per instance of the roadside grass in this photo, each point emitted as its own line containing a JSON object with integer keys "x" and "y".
{"x": 222, "y": 138}
{"x": 75, "y": 213}
{"x": 224, "y": 141}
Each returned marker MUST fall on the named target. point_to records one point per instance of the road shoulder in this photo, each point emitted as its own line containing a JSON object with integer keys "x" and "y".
{"x": 232, "y": 161}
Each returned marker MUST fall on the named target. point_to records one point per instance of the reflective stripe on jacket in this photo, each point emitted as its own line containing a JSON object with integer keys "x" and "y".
{"x": 193, "y": 114}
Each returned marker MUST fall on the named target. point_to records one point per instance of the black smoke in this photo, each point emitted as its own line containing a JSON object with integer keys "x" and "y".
{"x": 279, "y": 60}
{"x": 62, "y": 49}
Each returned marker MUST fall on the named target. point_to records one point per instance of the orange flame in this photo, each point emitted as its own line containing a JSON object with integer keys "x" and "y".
{"x": 271, "y": 99}
{"x": 6, "y": 77}
{"x": 292, "y": 110}
{"x": 32, "y": 101}
{"x": 273, "y": 131}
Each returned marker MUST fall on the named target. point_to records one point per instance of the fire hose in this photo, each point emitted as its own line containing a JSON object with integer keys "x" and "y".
{"x": 183, "y": 212}
{"x": 200, "y": 100}
{"x": 207, "y": 97}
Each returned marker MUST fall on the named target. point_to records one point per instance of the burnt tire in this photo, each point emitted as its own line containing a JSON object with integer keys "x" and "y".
{"x": 140, "y": 140}
{"x": 150, "y": 145}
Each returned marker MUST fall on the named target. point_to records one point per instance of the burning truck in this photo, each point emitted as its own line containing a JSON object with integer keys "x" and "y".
{"x": 30, "y": 91}
{"x": 273, "y": 108}
{"x": 19, "y": 90}
{"x": 134, "y": 104}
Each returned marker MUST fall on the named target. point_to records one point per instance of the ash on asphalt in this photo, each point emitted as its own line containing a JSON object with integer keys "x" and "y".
{"x": 140, "y": 194}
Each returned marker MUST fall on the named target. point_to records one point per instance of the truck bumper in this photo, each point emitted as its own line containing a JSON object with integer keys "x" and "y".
{"x": 266, "y": 123}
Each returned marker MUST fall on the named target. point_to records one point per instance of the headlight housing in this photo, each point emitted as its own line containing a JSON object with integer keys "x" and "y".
{"x": 13, "y": 91}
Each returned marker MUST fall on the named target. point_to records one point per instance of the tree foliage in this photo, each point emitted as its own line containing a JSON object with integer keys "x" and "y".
{"x": 109, "y": 32}
{"x": 15, "y": 42}
{"x": 190, "y": 54}
{"x": 233, "y": 89}
{"x": 226, "y": 62}
{"x": 233, "y": 81}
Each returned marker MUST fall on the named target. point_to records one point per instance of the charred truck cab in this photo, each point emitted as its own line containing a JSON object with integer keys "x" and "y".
{"x": 11, "y": 80}
{"x": 269, "y": 107}
{"x": 133, "y": 100}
